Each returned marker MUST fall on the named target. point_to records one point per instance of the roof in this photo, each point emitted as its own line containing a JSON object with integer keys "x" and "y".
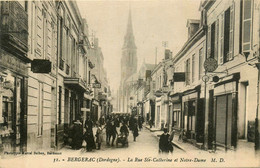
{"x": 150, "y": 66}
{"x": 133, "y": 77}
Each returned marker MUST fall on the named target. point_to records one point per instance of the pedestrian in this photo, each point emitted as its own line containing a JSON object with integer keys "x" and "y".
{"x": 88, "y": 136}
{"x": 164, "y": 142}
{"x": 135, "y": 131}
{"x": 108, "y": 130}
{"x": 99, "y": 135}
{"x": 113, "y": 132}
{"x": 88, "y": 123}
{"x": 77, "y": 135}
{"x": 140, "y": 123}
{"x": 124, "y": 129}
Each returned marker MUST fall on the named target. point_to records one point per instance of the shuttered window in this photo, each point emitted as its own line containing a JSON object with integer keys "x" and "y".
{"x": 209, "y": 42}
{"x": 187, "y": 72}
{"x": 216, "y": 40}
{"x": 212, "y": 40}
{"x": 247, "y": 26}
{"x": 226, "y": 35}
{"x": 221, "y": 39}
{"x": 226, "y": 26}
{"x": 200, "y": 63}
{"x": 193, "y": 68}
{"x": 231, "y": 32}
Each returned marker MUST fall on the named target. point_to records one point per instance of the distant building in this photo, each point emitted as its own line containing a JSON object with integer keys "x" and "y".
{"x": 128, "y": 65}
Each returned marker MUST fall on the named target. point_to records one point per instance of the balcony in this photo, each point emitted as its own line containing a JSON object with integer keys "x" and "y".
{"x": 14, "y": 29}
{"x": 75, "y": 83}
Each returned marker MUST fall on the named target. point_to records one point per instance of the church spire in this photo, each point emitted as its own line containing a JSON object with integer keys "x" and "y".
{"x": 129, "y": 24}
{"x": 129, "y": 37}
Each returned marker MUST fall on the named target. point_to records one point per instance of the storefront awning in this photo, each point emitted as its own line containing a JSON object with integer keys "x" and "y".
{"x": 75, "y": 83}
{"x": 190, "y": 91}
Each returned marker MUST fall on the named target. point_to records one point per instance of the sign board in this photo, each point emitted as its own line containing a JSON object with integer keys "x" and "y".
{"x": 41, "y": 66}
{"x": 85, "y": 109}
{"x": 96, "y": 85}
{"x": 179, "y": 77}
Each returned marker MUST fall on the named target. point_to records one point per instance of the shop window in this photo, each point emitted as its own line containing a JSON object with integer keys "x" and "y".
{"x": 7, "y": 104}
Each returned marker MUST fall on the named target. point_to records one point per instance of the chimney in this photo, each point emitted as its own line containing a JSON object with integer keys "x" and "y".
{"x": 167, "y": 54}
{"x": 193, "y": 27}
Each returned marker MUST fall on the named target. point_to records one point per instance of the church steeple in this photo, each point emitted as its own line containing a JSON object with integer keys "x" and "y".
{"x": 129, "y": 37}
{"x": 129, "y": 58}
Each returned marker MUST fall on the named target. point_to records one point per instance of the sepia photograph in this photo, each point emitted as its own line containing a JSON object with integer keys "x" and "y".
{"x": 129, "y": 83}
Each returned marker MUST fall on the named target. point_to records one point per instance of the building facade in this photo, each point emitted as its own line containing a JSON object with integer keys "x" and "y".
{"x": 14, "y": 76}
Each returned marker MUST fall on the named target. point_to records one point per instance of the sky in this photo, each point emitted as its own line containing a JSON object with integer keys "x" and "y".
{"x": 154, "y": 21}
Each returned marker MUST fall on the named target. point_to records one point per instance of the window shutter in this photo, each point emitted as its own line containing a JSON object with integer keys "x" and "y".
{"x": 216, "y": 40}
{"x": 247, "y": 26}
{"x": 221, "y": 39}
{"x": 209, "y": 42}
{"x": 231, "y": 34}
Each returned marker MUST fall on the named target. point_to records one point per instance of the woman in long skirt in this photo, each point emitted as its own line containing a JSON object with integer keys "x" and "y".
{"x": 89, "y": 138}
{"x": 135, "y": 131}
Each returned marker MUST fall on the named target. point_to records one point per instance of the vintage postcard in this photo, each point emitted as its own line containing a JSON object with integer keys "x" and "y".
{"x": 129, "y": 83}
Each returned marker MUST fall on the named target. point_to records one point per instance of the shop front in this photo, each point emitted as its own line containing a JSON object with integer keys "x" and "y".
{"x": 13, "y": 103}
{"x": 176, "y": 111}
{"x": 13, "y": 77}
{"x": 193, "y": 115}
{"x": 225, "y": 111}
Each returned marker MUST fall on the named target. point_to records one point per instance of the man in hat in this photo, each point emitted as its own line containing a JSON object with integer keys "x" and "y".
{"x": 164, "y": 141}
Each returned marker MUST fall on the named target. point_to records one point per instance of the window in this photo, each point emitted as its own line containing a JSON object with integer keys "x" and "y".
{"x": 187, "y": 72}
{"x": 212, "y": 40}
{"x": 213, "y": 44}
{"x": 200, "y": 63}
{"x": 40, "y": 109}
{"x": 227, "y": 35}
{"x": 193, "y": 68}
{"x": 59, "y": 112}
{"x": 247, "y": 26}
{"x": 176, "y": 118}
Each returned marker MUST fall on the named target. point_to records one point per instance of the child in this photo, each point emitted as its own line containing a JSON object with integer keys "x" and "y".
{"x": 99, "y": 136}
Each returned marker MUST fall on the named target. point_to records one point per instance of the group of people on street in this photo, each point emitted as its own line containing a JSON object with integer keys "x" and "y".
{"x": 78, "y": 133}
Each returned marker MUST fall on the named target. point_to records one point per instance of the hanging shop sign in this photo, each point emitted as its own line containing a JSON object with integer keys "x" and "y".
{"x": 41, "y": 66}
{"x": 96, "y": 85}
{"x": 179, "y": 77}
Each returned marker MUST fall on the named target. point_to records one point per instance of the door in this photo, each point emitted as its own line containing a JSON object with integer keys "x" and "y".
{"x": 224, "y": 115}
